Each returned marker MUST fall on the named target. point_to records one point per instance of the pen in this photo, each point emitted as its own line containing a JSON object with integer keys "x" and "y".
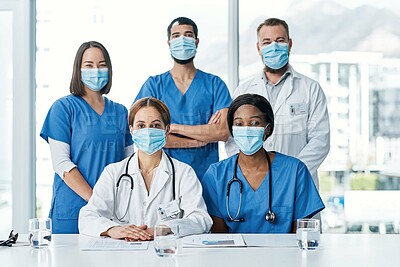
{"x": 218, "y": 242}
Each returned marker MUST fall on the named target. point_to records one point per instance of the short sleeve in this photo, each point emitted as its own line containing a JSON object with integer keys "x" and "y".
{"x": 222, "y": 97}
{"x": 57, "y": 124}
{"x": 147, "y": 90}
{"x": 210, "y": 193}
{"x": 307, "y": 201}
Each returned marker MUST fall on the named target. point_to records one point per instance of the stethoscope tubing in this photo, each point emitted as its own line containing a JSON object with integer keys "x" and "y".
{"x": 126, "y": 174}
{"x": 270, "y": 214}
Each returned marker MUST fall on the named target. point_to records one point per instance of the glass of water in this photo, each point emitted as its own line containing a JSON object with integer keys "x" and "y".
{"x": 39, "y": 232}
{"x": 308, "y": 233}
{"x": 166, "y": 240}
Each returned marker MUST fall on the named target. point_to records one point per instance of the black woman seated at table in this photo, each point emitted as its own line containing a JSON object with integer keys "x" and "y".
{"x": 256, "y": 191}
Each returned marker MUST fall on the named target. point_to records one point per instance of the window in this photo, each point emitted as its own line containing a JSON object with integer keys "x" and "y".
{"x": 6, "y": 113}
{"x": 359, "y": 77}
{"x": 17, "y": 146}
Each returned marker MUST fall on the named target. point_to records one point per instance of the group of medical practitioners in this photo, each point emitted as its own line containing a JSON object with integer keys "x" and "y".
{"x": 275, "y": 126}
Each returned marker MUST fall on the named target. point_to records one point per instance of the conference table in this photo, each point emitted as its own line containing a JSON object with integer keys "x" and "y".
{"x": 335, "y": 250}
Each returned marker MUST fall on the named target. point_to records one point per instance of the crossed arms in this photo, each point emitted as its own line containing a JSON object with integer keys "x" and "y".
{"x": 199, "y": 135}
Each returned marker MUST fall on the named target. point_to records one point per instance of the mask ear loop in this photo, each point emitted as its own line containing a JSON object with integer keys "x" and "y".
{"x": 267, "y": 131}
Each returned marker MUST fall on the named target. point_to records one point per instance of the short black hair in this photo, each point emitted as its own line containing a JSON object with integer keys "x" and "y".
{"x": 182, "y": 21}
{"x": 255, "y": 100}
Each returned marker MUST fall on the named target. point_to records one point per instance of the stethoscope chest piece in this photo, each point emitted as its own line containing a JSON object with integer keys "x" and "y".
{"x": 270, "y": 216}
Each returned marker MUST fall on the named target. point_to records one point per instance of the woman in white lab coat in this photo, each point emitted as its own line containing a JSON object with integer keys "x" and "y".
{"x": 135, "y": 194}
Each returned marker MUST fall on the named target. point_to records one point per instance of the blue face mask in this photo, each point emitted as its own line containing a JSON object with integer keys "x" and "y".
{"x": 248, "y": 139}
{"x": 275, "y": 55}
{"x": 183, "y": 48}
{"x": 149, "y": 140}
{"x": 95, "y": 79}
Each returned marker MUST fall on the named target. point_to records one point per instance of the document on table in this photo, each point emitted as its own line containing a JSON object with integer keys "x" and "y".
{"x": 213, "y": 240}
{"x": 112, "y": 244}
{"x": 270, "y": 240}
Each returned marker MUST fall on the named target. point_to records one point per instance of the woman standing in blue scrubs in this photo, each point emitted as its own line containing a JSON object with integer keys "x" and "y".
{"x": 271, "y": 182}
{"x": 86, "y": 131}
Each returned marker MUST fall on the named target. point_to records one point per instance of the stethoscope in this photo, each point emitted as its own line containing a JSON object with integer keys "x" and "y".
{"x": 270, "y": 216}
{"x": 127, "y": 175}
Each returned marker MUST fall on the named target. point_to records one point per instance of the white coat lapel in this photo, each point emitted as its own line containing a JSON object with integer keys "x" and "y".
{"x": 262, "y": 87}
{"x": 286, "y": 91}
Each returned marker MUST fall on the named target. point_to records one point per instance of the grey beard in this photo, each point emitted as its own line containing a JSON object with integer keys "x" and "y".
{"x": 268, "y": 69}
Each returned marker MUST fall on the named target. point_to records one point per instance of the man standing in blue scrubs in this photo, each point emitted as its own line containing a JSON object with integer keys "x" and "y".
{"x": 198, "y": 101}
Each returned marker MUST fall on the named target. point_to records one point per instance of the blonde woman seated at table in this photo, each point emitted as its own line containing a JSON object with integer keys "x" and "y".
{"x": 147, "y": 188}
{"x": 257, "y": 191}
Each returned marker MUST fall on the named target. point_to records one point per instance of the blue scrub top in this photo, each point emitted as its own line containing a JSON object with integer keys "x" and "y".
{"x": 95, "y": 141}
{"x": 206, "y": 95}
{"x": 294, "y": 196}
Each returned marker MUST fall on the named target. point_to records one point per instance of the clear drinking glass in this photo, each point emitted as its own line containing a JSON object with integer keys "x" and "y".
{"x": 39, "y": 232}
{"x": 308, "y": 233}
{"x": 166, "y": 240}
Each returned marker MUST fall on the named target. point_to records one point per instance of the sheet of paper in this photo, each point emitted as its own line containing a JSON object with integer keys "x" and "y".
{"x": 270, "y": 240}
{"x": 213, "y": 240}
{"x": 111, "y": 244}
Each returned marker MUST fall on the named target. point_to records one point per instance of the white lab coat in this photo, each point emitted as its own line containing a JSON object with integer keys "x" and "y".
{"x": 301, "y": 127}
{"x": 98, "y": 215}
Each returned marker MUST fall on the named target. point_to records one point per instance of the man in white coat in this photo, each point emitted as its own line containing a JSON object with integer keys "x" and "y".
{"x": 299, "y": 104}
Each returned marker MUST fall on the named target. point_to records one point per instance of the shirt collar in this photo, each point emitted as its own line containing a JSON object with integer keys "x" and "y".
{"x": 287, "y": 73}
